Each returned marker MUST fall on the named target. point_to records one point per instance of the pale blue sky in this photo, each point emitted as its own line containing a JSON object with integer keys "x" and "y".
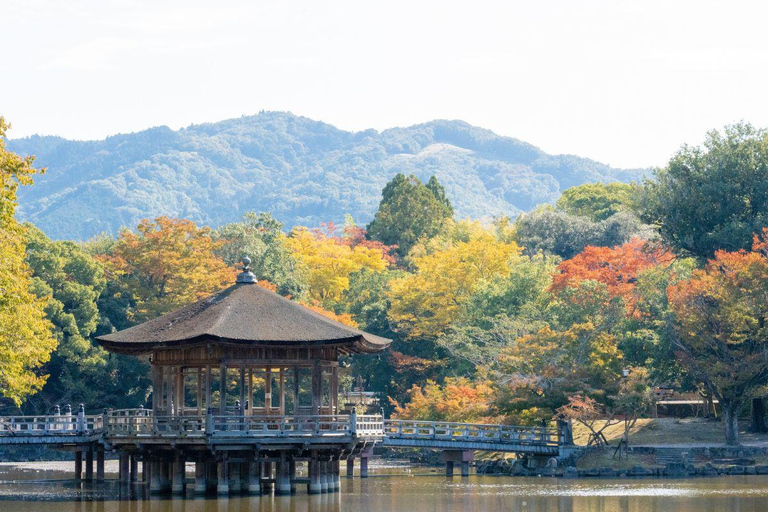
{"x": 622, "y": 82}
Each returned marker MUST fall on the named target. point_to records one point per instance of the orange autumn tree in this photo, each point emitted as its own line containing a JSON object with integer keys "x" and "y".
{"x": 616, "y": 267}
{"x": 167, "y": 263}
{"x": 458, "y": 400}
{"x": 721, "y": 315}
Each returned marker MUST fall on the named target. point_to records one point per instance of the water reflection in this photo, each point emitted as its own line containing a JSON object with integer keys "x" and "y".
{"x": 47, "y": 488}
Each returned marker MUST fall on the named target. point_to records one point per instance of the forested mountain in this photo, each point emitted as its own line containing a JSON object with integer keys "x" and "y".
{"x": 303, "y": 171}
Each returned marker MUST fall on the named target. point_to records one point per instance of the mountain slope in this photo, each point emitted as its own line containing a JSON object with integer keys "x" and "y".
{"x": 304, "y": 171}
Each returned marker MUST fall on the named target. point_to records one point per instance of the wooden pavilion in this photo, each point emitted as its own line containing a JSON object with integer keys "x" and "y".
{"x": 242, "y": 381}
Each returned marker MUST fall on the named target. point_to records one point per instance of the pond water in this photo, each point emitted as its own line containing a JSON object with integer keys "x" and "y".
{"x": 47, "y": 487}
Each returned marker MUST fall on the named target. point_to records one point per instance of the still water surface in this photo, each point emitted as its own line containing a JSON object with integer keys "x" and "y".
{"x": 47, "y": 487}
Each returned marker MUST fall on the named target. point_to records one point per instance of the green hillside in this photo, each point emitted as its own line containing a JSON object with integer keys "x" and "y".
{"x": 303, "y": 171}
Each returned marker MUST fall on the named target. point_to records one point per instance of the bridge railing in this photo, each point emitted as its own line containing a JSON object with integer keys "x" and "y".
{"x": 47, "y": 425}
{"x": 481, "y": 433}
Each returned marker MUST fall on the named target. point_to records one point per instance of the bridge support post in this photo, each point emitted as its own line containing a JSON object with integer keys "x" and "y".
{"x": 89, "y": 465}
{"x": 451, "y": 457}
{"x": 324, "y": 476}
{"x": 363, "y": 467}
{"x": 234, "y": 477}
{"x": 245, "y": 478}
{"x": 200, "y": 484}
{"x": 350, "y": 467}
{"x": 100, "y": 465}
{"x": 254, "y": 478}
{"x": 222, "y": 487}
{"x": 266, "y": 474}
{"x": 155, "y": 478}
{"x": 165, "y": 476}
{"x": 282, "y": 475}
{"x": 210, "y": 475}
{"x": 123, "y": 468}
{"x": 292, "y": 473}
{"x": 336, "y": 475}
{"x": 134, "y": 464}
{"x": 314, "y": 486}
{"x": 78, "y": 465}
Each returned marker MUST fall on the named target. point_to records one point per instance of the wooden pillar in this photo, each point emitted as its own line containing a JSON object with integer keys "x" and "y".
{"x": 350, "y": 467}
{"x": 234, "y": 477}
{"x": 314, "y": 486}
{"x": 200, "y": 409}
{"x": 250, "y": 390}
{"x": 334, "y": 390}
{"x": 134, "y": 468}
{"x": 268, "y": 390}
{"x": 282, "y": 475}
{"x": 200, "y": 474}
{"x": 317, "y": 387}
{"x": 363, "y": 467}
{"x": 266, "y": 475}
{"x": 208, "y": 384}
{"x": 223, "y": 478}
{"x": 123, "y": 468}
{"x": 100, "y": 465}
{"x": 324, "y": 466}
{"x": 282, "y": 391}
{"x": 465, "y": 468}
{"x": 449, "y": 468}
{"x": 179, "y": 391}
{"x": 78, "y": 466}
{"x": 145, "y": 470}
{"x": 156, "y": 375}
{"x": 254, "y": 477}
{"x": 223, "y": 390}
{"x": 296, "y": 375}
{"x": 89, "y": 464}
{"x": 292, "y": 473}
{"x": 165, "y": 476}
{"x": 155, "y": 478}
{"x": 336, "y": 475}
{"x": 242, "y": 390}
{"x": 211, "y": 475}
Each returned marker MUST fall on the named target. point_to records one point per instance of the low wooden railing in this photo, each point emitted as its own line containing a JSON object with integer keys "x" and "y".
{"x": 480, "y": 433}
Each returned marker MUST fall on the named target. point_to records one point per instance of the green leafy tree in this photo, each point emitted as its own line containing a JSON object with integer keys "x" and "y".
{"x": 712, "y": 197}
{"x": 260, "y": 237}
{"x": 597, "y": 201}
{"x": 25, "y": 332}
{"x": 556, "y": 232}
{"x": 409, "y": 211}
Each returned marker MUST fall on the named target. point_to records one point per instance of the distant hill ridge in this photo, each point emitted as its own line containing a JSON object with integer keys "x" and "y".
{"x": 303, "y": 171}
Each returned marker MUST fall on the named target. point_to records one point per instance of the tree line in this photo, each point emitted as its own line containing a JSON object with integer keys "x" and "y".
{"x": 576, "y": 309}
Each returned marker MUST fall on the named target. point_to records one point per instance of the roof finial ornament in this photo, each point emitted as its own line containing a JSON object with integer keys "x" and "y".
{"x": 246, "y": 276}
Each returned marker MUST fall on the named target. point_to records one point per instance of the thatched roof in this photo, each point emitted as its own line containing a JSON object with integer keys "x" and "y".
{"x": 245, "y": 314}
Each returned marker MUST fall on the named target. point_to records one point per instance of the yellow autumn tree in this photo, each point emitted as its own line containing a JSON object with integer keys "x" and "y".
{"x": 329, "y": 263}
{"x": 425, "y": 302}
{"x": 168, "y": 263}
{"x": 26, "y": 341}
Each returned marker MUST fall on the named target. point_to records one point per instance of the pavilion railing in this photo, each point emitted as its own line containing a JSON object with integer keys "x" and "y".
{"x": 144, "y": 423}
{"x": 482, "y": 433}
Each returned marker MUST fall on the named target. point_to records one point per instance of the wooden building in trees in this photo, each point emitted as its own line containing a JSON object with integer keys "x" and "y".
{"x": 245, "y": 384}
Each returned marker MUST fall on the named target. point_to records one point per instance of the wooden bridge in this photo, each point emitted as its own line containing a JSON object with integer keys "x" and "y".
{"x": 141, "y": 425}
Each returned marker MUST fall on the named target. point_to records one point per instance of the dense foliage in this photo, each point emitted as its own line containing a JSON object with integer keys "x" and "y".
{"x": 575, "y": 311}
{"x": 25, "y": 336}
